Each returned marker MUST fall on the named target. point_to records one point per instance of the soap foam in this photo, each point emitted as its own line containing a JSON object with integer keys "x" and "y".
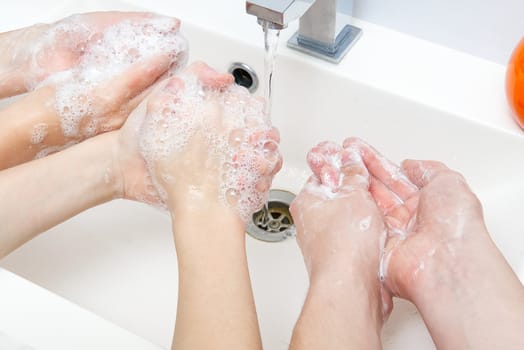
{"x": 53, "y": 149}
{"x": 232, "y": 140}
{"x": 103, "y": 59}
{"x": 38, "y": 133}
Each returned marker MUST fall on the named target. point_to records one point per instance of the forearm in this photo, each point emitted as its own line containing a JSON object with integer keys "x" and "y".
{"x": 481, "y": 307}
{"x": 216, "y": 309}
{"x": 30, "y": 127}
{"x": 339, "y": 313}
{"x": 39, "y": 195}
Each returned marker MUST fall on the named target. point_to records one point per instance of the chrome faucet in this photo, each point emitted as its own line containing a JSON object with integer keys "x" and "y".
{"x": 323, "y": 32}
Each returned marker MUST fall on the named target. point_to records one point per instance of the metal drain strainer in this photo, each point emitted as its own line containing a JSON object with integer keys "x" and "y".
{"x": 274, "y": 224}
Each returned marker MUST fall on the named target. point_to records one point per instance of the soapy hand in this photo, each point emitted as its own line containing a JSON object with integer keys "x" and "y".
{"x": 117, "y": 64}
{"x": 339, "y": 227}
{"x": 205, "y": 142}
{"x": 33, "y": 54}
{"x": 122, "y": 56}
{"x": 434, "y": 221}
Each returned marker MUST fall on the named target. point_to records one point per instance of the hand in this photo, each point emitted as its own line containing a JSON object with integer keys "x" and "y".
{"x": 434, "y": 222}
{"x": 205, "y": 143}
{"x": 116, "y": 70}
{"x": 33, "y": 54}
{"x": 116, "y": 66}
{"x": 339, "y": 227}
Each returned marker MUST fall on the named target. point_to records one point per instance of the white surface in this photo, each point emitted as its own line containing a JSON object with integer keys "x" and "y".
{"x": 33, "y": 318}
{"x": 408, "y": 97}
{"x": 8, "y": 343}
{"x": 484, "y": 28}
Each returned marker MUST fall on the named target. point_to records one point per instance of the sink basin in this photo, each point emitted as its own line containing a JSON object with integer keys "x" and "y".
{"x": 118, "y": 260}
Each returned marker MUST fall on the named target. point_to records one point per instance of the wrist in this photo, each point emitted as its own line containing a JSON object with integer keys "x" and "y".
{"x": 205, "y": 215}
{"x": 187, "y": 203}
{"x": 108, "y": 179}
{"x": 345, "y": 268}
{"x": 355, "y": 293}
{"x": 203, "y": 228}
{"x": 453, "y": 268}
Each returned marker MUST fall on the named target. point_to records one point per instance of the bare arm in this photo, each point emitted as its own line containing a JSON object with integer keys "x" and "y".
{"x": 213, "y": 171}
{"x": 339, "y": 230}
{"x": 39, "y": 195}
{"x": 341, "y": 311}
{"x": 216, "y": 309}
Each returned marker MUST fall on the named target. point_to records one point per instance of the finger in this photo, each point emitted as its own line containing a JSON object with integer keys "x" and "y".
{"x": 385, "y": 199}
{"x": 383, "y": 169}
{"x": 134, "y": 80}
{"x": 330, "y": 177}
{"x": 264, "y": 184}
{"x": 422, "y": 172}
{"x": 138, "y": 99}
{"x": 271, "y": 156}
{"x": 412, "y": 204}
{"x": 173, "y": 86}
{"x": 313, "y": 180}
{"x": 163, "y": 94}
{"x": 278, "y": 166}
{"x": 311, "y": 186}
{"x": 393, "y": 208}
{"x": 264, "y": 136}
{"x": 274, "y": 134}
{"x": 353, "y": 171}
{"x": 210, "y": 78}
{"x": 323, "y": 159}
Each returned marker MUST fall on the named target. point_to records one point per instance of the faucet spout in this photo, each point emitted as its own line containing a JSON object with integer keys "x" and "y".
{"x": 323, "y": 32}
{"x": 279, "y": 13}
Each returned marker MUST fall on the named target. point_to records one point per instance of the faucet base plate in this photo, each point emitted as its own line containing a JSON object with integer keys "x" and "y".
{"x": 344, "y": 43}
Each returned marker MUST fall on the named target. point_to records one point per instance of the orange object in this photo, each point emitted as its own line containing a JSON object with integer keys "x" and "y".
{"x": 515, "y": 83}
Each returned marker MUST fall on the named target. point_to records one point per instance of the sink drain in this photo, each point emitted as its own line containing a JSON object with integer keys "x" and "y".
{"x": 244, "y": 76}
{"x": 274, "y": 224}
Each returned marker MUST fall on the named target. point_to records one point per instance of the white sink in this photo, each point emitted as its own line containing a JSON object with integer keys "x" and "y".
{"x": 118, "y": 260}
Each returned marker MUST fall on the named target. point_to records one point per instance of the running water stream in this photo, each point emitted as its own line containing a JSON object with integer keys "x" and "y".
{"x": 271, "y": 37}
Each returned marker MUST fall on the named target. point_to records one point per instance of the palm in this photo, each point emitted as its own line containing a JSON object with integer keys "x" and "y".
{"x": 428, "y": 210}
{"x": 137, "y": 183}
